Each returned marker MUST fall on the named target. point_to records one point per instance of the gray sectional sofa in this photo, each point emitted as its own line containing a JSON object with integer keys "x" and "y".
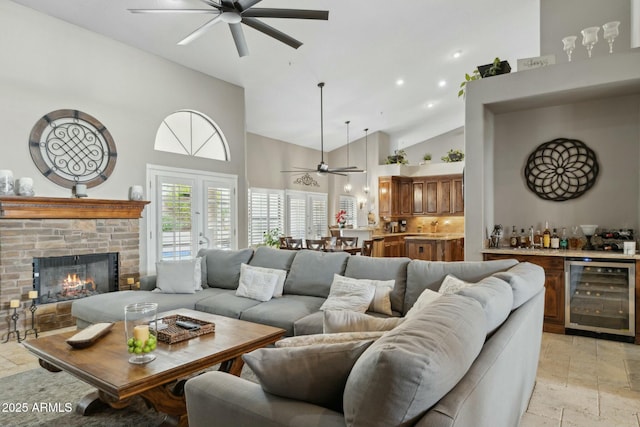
{"x": 467, "y": 359}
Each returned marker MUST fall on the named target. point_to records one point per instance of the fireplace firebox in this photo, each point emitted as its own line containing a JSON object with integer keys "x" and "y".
{"x": 76, "y": 276}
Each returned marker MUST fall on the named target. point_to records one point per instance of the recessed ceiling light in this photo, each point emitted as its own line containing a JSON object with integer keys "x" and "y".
{"x": 457, "y": 54}
{"x": 442, "y": 83}
{"x": 430, "y": 105}
{"x": 399, "y": 82}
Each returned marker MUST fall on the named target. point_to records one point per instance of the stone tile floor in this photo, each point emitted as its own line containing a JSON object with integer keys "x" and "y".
{"x": 581, "y": 382}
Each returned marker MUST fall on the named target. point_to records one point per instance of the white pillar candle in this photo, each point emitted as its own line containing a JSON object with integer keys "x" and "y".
{"x": 136, "y": 192}
{"x": 141, "y": 332}
{"x": 15, "y": 303}
{"x": 33, "y": 294}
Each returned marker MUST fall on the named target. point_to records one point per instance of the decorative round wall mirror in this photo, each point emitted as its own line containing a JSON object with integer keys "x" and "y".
{"x": 561, "y": 169}
{"x": 70, "y": 147}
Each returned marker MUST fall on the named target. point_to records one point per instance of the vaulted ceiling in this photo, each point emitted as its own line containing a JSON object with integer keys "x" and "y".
{"x": 362, "y": 53}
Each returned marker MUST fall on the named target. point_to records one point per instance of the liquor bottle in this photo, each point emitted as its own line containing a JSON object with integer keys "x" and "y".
{"x": 537, "y": 240}
{"x": 513, "y": 240}
{"x": 531, "y": 238}
{"x": 546, "y": 236}
{"x": 564, "y": 240}
{"x": 555, "y": 239}
{"x": 524, "y": 239}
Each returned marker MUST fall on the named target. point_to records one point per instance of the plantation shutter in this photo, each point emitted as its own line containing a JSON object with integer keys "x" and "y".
{"x": 266, "y": 212}
{"x": 219, "y": 222}
{"x": 177, "y": 230}
{"x": 297, "y": 215}
{"x": 348, "y": 204}
{"x": 318, "y": 214}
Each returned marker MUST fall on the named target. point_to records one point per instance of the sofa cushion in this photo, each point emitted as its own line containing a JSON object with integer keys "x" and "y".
{"x": 179, "y": 277}
{"x": 360, "y": 267}
{"x": 283, "y": 312}
{"x": 303, "y": 340}
{"x": 260, "y": 283}
{"x": 312, "y": 272}
{"x": 410, "y": 368}
{"x": 495, "y": 297}
{"x": 226, "y": 303}
{"x": 350, "y": 321}
{"x": 525, "y": 279}
{"x": 267, "y": 257}
{"x": 349, "y": 294}
{"x": 309, "y": 324}
{"x": 223, "y": 267}
{"x": 423, "y": 275}
{"x": 314, "y": 373}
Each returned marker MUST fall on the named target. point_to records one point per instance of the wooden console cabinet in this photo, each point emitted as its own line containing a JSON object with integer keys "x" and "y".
{"x": 435, "y": 249}
{"x": 554, "y": 287}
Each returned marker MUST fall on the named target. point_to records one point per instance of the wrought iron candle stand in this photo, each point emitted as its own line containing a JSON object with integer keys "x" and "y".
{"x": 33, "y": 330}
{"x": 14, "y": 317}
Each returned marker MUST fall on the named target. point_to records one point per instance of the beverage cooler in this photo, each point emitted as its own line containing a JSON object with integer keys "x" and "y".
{"x": 600, "y": 296}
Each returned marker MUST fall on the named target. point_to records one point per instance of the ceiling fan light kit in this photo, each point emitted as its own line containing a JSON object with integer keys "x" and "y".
{"x": 237, "y": 12}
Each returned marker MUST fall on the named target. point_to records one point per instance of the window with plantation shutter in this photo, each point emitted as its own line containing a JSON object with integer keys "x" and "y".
{"x": 266, "y": 212}
{"x": 190, "y": 210}
{"x": 306, "y": 215}
{"x": 348, "y": 204}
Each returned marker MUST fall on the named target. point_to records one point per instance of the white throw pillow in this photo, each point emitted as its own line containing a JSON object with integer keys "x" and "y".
{"x": 426, "y": 297}
{"x": 337, "y": 321}
{"x": 451, "y": 285}
{"x": 179, "y": 277}
{"x": 282, "y": 275}
{"x": 382, "y": 300}
{"x": 347, "y": 293}
{"x": 255, "y": 284}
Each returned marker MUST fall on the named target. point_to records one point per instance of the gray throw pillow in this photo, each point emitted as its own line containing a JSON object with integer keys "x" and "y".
{"x": 316, "y": 373}
{"x": 179, "y": 277}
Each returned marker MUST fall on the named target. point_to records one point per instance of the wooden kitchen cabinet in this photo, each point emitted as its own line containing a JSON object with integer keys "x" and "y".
{"x": 394, "y": 246}
{"x": 394, "y": 196}
{"x": 554, "y": 287}
{"x": 457, "y": 196}
{"x": 437, "y": 195}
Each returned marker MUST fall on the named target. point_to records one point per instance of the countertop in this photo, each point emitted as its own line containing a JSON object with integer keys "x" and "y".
{"x": 561, "y": 253}
{"x": 423, "y": 236}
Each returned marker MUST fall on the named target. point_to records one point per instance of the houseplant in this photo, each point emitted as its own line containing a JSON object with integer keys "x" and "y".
{"x": 487, "y": 70}
{"x": 399, "y": 157}
{"x": 453, "y": 156}
{"x": 271, "y": 238}
{"x": 341, "y": 218}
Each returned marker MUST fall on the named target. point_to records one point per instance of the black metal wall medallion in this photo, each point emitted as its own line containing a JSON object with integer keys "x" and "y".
{"x": 71, "y": 147}
{"x": 561, "y": 169}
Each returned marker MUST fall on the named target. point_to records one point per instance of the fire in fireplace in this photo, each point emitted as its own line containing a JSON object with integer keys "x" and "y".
{"x": 77, "y": 276}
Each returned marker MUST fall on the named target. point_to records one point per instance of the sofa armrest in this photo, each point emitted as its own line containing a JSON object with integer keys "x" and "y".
{"x": 221, "y": 399}
{"x": 148, "y": 283}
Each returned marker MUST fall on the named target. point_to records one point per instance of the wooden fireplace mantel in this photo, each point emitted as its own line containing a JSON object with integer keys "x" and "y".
{"x": 16, "y": 207}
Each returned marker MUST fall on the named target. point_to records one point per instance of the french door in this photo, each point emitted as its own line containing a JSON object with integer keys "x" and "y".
{"x": 190, "y": 210}
{"x": 306, "y": 214}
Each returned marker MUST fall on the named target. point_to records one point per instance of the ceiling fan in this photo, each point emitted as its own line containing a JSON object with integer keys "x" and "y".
{"x": 236, "y": 12}
{"x": 322, "y": 167}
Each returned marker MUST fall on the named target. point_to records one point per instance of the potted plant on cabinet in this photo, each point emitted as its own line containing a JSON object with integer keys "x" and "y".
{"x": 426, "y": 159}
{"x": 399, "y": 157}
{"x": 453, "y": 156}
{"x": 487, "y": 70}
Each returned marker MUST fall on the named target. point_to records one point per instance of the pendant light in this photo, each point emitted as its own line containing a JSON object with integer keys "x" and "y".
{"x": 366, "y": 162}
{"x": 347, "y": 187}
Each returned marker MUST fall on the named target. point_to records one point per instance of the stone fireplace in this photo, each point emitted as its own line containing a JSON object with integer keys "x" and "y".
{"x": 37, "y": 227}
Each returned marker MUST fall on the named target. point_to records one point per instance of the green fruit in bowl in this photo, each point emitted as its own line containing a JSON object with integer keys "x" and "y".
{"x": 131, "y": 342}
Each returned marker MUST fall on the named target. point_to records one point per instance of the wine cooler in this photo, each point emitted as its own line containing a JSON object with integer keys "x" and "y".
{"x": 600, "y": 296}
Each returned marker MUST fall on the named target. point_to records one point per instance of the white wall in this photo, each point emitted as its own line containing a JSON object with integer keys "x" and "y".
{"x": 48, "y": 64}
{"x": 437, "y": 147}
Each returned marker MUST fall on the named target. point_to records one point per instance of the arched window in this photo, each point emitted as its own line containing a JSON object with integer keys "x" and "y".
{"x": 192, "y": 133}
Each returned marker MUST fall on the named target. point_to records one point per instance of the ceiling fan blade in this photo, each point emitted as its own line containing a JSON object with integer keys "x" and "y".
{"x": 173, "y": 11}
{"x": 286, "y": 13}
{"x": 346, "y": 170}
{"x": 200, "y": 31}
{"x": 336, "y": 173}
{"x": 227, "y": 4}
{"x": 243, "y": 5}
{"x": 301, "y": 170}
{"x": 238, "y": 38}
{"x": 212, "y": 3}
{"x": 272, "y": 32}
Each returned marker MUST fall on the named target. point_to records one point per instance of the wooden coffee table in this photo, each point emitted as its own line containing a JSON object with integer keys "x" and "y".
{"x": 105, "y": 364}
